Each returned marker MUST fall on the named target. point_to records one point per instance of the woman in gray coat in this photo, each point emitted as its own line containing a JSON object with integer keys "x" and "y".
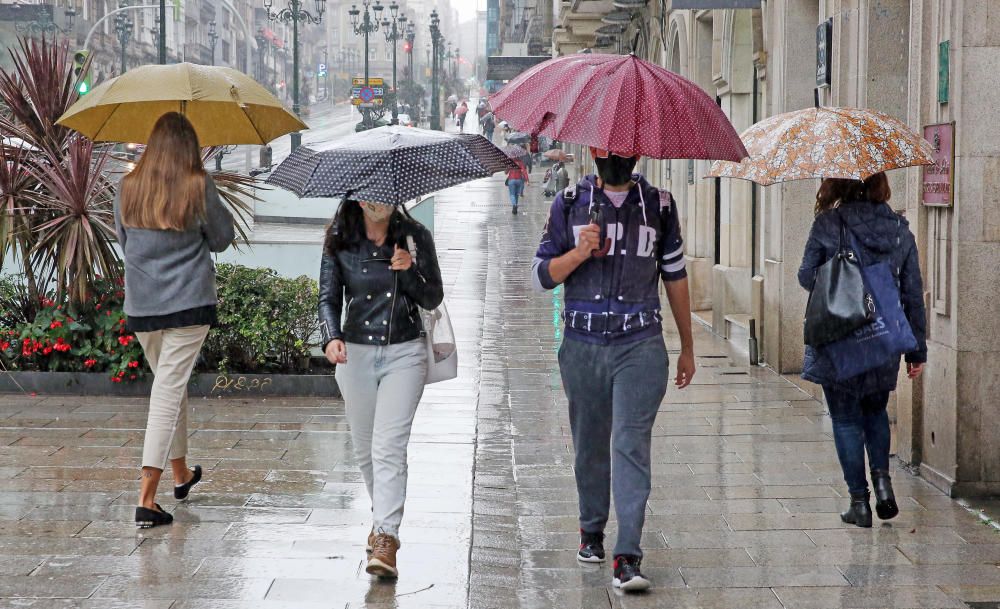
{"x": 169, "y": 219}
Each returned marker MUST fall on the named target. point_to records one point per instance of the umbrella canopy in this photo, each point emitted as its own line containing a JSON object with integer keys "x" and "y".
{"x": 556, "y": 154}
{"x": 826, "y": 142}
{"x": 225, "y": 106}
{"x": 389, "y": 165}
{"x": 618, "y": 103}
{"x": 518, "y": 138}
{"x": 515, "y": 153}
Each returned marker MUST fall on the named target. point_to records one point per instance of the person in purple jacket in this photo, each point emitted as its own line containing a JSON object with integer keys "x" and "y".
{"x": 610, "y": 239}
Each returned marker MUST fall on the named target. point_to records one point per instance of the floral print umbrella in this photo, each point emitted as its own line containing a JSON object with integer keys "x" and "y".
{"x": 825, "y": 142}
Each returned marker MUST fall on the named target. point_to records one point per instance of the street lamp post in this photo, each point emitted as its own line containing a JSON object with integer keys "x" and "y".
{"x": 123, "y": 29}
{"x": 47, "y": 24}
{"x": 436, "y": 40}
{"x": 394, "y": 31}
{"x": 261, "y": 40}
{"x": 365, "y": 24}
{"x": 411, "y": 35}
{"x": 294, "y": 13}
{"x": 213, "y": 39}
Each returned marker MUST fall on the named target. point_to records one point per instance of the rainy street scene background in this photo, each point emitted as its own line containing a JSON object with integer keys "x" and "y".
{"x": 442, "y": 247}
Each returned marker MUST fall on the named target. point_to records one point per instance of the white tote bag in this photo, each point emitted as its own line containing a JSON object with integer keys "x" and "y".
{"x": 442, "y": 351}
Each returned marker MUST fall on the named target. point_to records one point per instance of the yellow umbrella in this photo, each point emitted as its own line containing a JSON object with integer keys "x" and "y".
{"x": 825, "y": 142}
{"x": 225, "y": 106}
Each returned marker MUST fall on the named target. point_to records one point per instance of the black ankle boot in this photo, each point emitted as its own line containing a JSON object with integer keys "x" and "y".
{"x": 860, "y": 512}
{"x": 885, "y": 499}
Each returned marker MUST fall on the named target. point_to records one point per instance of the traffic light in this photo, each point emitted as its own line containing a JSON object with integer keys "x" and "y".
{"x": 407, "y": 47}
{"x": 81, "y": 71}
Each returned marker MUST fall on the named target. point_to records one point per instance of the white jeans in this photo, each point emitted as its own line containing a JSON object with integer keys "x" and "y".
{"x": 171, "y": 355}
{"x": 381, "y": 388}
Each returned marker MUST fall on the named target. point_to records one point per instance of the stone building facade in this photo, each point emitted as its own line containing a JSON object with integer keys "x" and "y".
{"x": 925, "y": 62}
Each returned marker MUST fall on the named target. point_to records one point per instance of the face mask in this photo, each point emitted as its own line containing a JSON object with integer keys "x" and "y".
{"x": 376, "y": 212}
{"x": 615, "y": 170}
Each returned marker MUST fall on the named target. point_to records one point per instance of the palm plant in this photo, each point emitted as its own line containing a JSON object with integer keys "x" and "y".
{"x": 56, "y": 197}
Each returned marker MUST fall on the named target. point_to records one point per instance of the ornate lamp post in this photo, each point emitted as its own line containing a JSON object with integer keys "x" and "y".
{"x": 436, "y": 40}
{"x": 411, "y": 35}
{"x": 365, "y": 23}
{"x": 123, "y": 30}
{"x": 394, "y": 32}
{"x": 294, "y": 13}
{"x": 46, "y": 25}
{"x": 213, "y": 39}
{"x": 261, "y": 40}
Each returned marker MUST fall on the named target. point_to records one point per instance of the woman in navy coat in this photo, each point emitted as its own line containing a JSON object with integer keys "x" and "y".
{"x": 858, "y": 405}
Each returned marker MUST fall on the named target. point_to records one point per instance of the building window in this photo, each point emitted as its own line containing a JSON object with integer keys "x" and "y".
{"x": 226, "y": 51}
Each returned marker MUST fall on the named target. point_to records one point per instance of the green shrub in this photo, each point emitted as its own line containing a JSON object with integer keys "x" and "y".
{"x": 267, "y": 323}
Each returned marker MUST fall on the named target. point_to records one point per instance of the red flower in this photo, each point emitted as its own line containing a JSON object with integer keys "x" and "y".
{"x": 47, "y": 351}
{"x": 125, "y": 340}
{"x": 4, "y": 346}
{"x": 108, "y": 313}
{"x": 60, "y": 341}
{"x": 115, "y": 379}
{"x": 132, "y": 377}
{"x": 89, "y": 363}
{"x": 62, "y": 347}
{"x": 121, "y": 322}
{"x": 121, "y": 373}
{"x": 27, "y": 350}
{"x": 69, "y": 319}
{"x": 133, "y": 364}
{"x": 98, "y": 307}
{"x": 55, "y": 324}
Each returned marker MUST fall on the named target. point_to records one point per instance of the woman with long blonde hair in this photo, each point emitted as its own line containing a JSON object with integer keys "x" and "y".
{"x": 170, "y": 219}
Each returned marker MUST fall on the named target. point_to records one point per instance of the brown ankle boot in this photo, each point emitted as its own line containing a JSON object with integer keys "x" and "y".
{"x": 383, "y": 558}
{"x": 371, "y": 542}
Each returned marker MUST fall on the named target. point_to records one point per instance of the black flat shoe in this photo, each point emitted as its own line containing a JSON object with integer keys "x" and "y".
{"x": 181, "y": 491}
{"x": 146, "y": 518}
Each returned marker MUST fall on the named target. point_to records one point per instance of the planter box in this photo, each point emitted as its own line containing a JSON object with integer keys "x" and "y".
{"x": 201, "y": 385}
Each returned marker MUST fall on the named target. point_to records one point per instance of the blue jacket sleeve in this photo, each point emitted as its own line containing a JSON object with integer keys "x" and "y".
{"x": 554, "y": 243}
{"x": 911, "y": 292}
{"x": 813, "y": 258}
{"x": 671, "y": 246}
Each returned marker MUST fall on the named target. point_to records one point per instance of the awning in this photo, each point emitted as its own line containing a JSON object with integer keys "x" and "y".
{"x": 508, "y": 67}
{"x": 706, "y": 4}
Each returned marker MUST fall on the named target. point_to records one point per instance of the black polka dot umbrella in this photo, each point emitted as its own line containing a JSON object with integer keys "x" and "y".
{"x": 389, "y": 164}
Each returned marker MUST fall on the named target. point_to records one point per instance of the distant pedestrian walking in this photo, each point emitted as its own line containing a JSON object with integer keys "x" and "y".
{"x": 488, "y": 123}
{"x": 169, "y": 219}
{"x": 516, "y": 180}
{"x": 378, "y": 349}
{"x": 611, "y": 240}
{"x": 853, "y": 215}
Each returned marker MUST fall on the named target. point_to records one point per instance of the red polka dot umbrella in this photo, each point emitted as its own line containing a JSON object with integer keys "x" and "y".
{"x": 618, "y": 103}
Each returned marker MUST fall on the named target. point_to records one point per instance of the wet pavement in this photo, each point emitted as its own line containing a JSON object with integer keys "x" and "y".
{"x": 743, "y": 512}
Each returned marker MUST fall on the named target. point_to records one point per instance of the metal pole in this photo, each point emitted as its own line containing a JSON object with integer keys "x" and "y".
{"x": 395, "y": 89}
{"x": 122, "y": 41}
{"x": 366, "y": 112}
{"x": 435, "y": 99}
{"x": 163, "y": 32}
{"x": 297, "y": 136}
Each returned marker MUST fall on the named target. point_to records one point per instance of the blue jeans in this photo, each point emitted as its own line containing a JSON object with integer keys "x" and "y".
{"x": 516, "y": 189}
{"x": 859, "y": 423}
{"x": 614, "y": 393}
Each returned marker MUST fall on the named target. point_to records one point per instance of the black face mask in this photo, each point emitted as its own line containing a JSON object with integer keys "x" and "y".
{"x": 616, "y": 170}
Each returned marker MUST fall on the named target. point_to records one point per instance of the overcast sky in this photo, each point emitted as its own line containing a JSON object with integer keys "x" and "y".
{"x": 467, "y": 8}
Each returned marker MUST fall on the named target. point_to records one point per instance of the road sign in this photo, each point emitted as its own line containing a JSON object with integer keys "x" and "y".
{"x": 369, "y": 96}
{"x": 372, "y": 82}
{"x": 322, "y": 67}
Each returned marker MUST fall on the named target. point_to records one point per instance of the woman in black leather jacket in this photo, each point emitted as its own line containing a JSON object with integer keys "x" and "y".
{"x": 380, "y": 265}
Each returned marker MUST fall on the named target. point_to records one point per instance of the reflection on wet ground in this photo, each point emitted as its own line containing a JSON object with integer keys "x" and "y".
{"x": 743, "y": 512}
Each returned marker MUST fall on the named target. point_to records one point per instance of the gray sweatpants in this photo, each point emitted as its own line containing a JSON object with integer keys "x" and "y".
{"x": 381, "y": 388}
{"x": 614, "y": 394}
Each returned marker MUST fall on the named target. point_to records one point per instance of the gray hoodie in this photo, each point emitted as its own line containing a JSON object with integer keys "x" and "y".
{"x": 168, "y": 271}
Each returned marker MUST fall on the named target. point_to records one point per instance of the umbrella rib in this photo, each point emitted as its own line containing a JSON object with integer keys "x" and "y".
{"x": 97, "y": 134}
